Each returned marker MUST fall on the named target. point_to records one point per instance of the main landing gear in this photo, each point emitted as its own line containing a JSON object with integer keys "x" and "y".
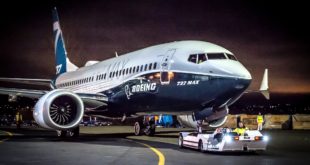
{"x": 74, "y": 132}
{"x": 145, "y": 127}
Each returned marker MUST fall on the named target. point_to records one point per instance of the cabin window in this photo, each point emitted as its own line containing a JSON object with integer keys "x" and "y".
{"x": 216, "y": 56}
{"x": 145, "y": 67}
{"x": 141, "y": 68}
{"x": 150, "y": 66}
{"x": 137, "y": 68}
{"x": 155, "y": 65}
{"x": 134, "y": 69}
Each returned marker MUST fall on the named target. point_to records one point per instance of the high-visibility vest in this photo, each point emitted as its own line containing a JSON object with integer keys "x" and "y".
{"x": 240, "y": 131}
{"x": 19, "y": 117}
{"x": 260, "y": 119}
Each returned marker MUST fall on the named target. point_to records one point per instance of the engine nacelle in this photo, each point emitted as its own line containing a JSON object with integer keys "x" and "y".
{"x": 217, "y": 123}
{"x": 190, "y": 122}
{"x": 59, "y": 110}
{"x": 214, "y": 119}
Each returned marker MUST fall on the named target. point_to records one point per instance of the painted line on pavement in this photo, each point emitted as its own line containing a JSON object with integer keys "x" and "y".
{"x": 161, "y": 157}
{"x": 9, "y": 133}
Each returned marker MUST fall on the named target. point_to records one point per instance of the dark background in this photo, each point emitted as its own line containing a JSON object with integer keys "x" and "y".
{"x": 262, "y": 34}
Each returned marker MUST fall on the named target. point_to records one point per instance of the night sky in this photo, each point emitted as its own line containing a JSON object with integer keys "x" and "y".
{"x": 260, "y": 33}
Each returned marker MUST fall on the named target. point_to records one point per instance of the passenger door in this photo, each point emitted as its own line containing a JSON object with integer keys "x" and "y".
{"x": 165, "y": 67}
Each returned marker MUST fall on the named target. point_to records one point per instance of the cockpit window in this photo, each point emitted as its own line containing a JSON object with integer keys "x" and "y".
{"x": 216, "y": 56}
{"x": 231, "y": 57}
{"x": 192, "y": 58}
{"x": 197, "y": 58}
{"x": 201, "y": 58}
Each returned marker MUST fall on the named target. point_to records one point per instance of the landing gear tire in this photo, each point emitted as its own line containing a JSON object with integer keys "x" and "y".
{"x": 151, "y": 130}
{"x": 75, "y": 132}
{"x": 138, "y": 128}
{"x": 150, "y": 127}
{"x": 61, "y": 133}
{"x": 180, "y": 141}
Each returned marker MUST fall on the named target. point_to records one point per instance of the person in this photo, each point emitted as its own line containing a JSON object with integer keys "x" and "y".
{"x": 219, "y": 134}
{"x": 260, "y": 121}
{"x": 201, "y": 58}
{"x": 199, "y": 126}
{"x": 240, "y": 130}
{"x": 19, "y": 119}
{"x": 193, "y": 59}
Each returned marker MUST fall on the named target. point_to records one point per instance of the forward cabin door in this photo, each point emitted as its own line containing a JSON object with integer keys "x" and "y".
{"x": 165, "y": 67}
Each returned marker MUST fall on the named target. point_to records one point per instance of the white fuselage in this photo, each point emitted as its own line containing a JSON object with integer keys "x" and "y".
{"x": 169, "y": 57}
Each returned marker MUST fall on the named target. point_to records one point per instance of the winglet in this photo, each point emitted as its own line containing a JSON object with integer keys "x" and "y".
{"x": 264, "y": 88}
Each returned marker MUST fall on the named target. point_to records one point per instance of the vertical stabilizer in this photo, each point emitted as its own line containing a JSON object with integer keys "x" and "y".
{"x": 264, "y": 88}
{"x": 63, "y": 63}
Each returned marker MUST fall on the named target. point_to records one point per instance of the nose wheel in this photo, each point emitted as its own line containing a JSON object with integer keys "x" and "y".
{"x": 145, "y": 127}
{"x": 138, "y": 128}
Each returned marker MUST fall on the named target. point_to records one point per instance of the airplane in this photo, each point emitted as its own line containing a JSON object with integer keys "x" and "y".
{"x": 196, "y": 80}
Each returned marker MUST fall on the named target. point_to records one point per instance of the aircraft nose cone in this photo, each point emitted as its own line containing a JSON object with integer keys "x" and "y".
{"x": 240, "y": 71}
{"x": 245, "y": 73}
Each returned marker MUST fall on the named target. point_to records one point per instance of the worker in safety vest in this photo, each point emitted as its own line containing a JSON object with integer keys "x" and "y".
{"x": 19, "y": 119}
{"x": 260, "y": 121}
{"x": 241, "y": 129}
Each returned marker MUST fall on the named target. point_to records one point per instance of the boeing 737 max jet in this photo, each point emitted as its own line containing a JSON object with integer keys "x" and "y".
{"x": 193, "y": 79}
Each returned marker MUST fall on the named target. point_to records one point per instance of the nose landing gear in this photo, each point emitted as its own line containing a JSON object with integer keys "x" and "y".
{"x": 145, "y": 127}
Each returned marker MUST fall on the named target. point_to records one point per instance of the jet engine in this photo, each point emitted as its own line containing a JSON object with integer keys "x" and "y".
{"x": 59, "y": 110}
{"x": 212, "y": 118}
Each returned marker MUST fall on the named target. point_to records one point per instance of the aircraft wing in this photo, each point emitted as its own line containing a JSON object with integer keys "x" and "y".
{"x": 29, "y": 93}
{"x": 43, "y": 82}
{"x": 91, "y": 101}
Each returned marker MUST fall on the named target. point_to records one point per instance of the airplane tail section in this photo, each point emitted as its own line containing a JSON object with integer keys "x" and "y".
{"x": 264, "y": 88}
{"x": 63, "y": 63}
